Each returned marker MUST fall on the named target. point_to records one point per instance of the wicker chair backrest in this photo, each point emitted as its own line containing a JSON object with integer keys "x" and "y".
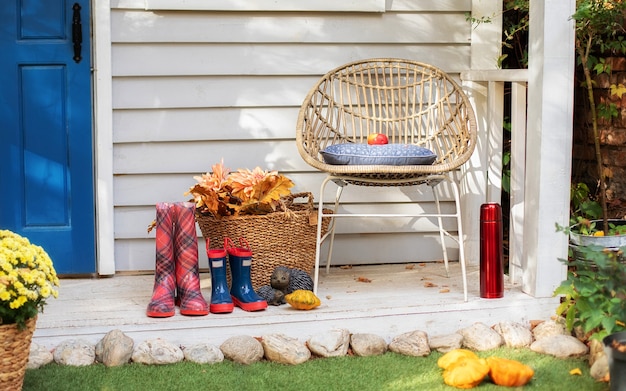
{"x": 410, "y": 102}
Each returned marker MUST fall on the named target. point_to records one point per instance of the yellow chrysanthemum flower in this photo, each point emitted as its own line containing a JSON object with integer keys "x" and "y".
{"x": 27, "y": 278}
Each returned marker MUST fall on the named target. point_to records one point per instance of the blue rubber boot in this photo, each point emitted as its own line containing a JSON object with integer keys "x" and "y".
{"x": 241, "y": 291}
{"x": 221, "y": 302}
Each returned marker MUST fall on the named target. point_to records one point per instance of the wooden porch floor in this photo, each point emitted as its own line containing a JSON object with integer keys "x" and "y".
{"x": 398, "y": 298}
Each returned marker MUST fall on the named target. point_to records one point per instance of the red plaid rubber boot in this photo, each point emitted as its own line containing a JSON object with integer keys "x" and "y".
{"x": 162, "y": 303}
{"x": 241, "y": 291}
{"x": 221, "y": 302}
{"x": 189, "y": 296}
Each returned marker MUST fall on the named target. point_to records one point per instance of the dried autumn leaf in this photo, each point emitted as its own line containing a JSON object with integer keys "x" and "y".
{"x": 576, "y": 371}
{"x": 429, "y": 284}
{"x": 151, "y": 226}
{"x": 444, "y": 290}
{"x": 363, "y": 279}
{"x": 410, "y": 267}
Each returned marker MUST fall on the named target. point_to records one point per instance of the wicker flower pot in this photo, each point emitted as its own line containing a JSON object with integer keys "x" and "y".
{"x": 284, "y": 238}
{"x": 14, "y": 352}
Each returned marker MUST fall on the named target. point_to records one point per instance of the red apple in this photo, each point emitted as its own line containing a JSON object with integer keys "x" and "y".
{"x": 377, "y": 139}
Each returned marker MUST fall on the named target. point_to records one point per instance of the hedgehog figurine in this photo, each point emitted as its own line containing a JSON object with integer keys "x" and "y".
{"x": 270, "y": 295}
{"x": 283, "y": 281}
{"x": 288, "y": 280}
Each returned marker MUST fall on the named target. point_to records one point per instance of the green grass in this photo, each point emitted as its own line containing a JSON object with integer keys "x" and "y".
{"x": 392, "y": 372}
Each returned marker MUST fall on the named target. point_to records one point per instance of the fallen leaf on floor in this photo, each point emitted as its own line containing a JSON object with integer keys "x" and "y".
{"x": 363, "y": 279}
{"x": 426, "y": 278}
{"x": 328, "y": 297}
{"x": 345, "y": 267}
{"x": 429, "y": 284}
{"x": 410, "y": 267}
{"x": 575, "y": 371}
{"x": 421, "y": 264}
{"x": 444, "y": 290}
{"x": 534, "y": 323}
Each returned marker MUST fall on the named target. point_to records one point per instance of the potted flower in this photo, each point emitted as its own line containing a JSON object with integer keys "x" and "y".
{"x": 27, "y": 280}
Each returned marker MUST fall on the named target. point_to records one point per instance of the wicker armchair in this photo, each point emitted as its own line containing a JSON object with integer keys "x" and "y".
{"x": 410, "y": 102}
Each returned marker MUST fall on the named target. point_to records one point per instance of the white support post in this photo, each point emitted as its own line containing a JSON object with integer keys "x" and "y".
{"x": 485, "y": 49}
{"x": 548, "y": 162}
{"x": 495, "y": 139}
{"x": 103, "y": 124}
{"x": 518, "y": 175}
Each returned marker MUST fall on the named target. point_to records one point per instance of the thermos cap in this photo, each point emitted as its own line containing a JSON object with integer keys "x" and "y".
{"x": 490, "y": 212}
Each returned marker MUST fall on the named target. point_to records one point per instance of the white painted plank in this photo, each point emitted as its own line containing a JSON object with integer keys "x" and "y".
{"x": 140, "y": 59}
{"x": 130, "y": 190}
{"x": 191, "y": 157}
{"x": 269, "y": 5}
{"x": 140, "y": 26}
{"x": 132, "y": 222}
{"x": 350, "y": 249}
{"x": 433, "y": 5}
{"x": 210, "y": 91}
{"x": 395, "y": 5}
{"x": 191, "y": 124}
{"x": 395, "y": 301}
{"x": 190, "y": 92}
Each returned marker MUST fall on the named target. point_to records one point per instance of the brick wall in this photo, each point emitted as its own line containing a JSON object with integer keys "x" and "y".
{"x": 612, "y": 135}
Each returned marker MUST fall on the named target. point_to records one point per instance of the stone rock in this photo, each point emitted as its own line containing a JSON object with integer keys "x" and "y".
{"x": 413, "y": 343}
{"x": 242, "y": 349}
{"x": 600, "y": 367}
{"x": 333, "y": 343}
{"x": 561, "y": 346}
{"x": 38, "y": 356}
{"x": 157, "y": 351}
{"x": 116, "y": 348}
{"x": 368, "y": 344}
{"x": 446, "y": 343}
{"x": 480, "y": 337}
{"x": 548, "y": 329}
{"x": 514, "y": 335}
{"x": 203, "y": 353}
{"x": 596, "y": 350}
{"x": 75, "y": 352}
{"x": 285, "y": 350}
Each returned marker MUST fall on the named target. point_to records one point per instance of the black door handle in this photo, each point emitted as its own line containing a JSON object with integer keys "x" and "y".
{"x": 77, "y": 33}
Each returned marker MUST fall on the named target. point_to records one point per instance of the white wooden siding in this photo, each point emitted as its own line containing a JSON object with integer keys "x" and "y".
{"x": 192, "y": 87}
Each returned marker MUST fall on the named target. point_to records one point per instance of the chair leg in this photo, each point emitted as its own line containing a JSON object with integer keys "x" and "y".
{"x": 331, "y": 232}
{"x": 332, "y": 229}
{"x": 441, "y": 231}
{"x": 457, "y": 202}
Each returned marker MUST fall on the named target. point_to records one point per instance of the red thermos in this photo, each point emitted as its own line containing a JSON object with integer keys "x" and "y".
{"x": 491, "y": 252}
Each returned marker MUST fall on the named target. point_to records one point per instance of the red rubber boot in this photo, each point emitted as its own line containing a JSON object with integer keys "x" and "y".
{"x": 162, "y": 303}
{"x": 186, "y": 251}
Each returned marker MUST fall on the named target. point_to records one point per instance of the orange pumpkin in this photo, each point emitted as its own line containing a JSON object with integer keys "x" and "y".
{"x": 454, "y": 355}
{"x": 509, "y": 373}
{"x": 466, "y": 372}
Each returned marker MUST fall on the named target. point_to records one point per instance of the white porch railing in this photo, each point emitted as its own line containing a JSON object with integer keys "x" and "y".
{"x": 488, "y": 85}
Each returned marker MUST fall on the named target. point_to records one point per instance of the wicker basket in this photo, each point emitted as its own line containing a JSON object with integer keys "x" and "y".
{"x": 14, "y": 352}
{"x": 284, "y": 238}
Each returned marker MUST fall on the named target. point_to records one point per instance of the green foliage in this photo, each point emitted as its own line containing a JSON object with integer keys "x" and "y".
{"x": 582, "y": 206}
{"x": 594, "y": 294}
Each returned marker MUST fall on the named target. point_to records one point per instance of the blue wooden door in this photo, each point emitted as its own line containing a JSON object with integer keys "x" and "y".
{"x": 46, "y": 150}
